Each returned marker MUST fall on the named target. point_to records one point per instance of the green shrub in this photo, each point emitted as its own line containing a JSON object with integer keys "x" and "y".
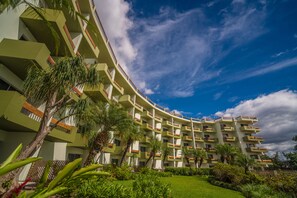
{"x": 124, "y": 172}
{"x": 101, "y": 188}
{"x": 146, "y": 171}
{"x": 234, "y": 175}
{"x": 283, "y": 181}
{"x": 150, "y": 186}
{"x": 186, "y": 171}
{"x": 260, "y": 191}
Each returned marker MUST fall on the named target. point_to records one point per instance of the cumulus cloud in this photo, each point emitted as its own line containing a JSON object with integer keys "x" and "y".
{"x": 277, "y": 113}
{"x": 116, "y": 23}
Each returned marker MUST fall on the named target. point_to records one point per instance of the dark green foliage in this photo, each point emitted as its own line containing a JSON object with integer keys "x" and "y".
{"x": 121, "y": 173}
{"x": 283, "y": 181}
{"x": 150, "y": 186}
{"x": 146, "y": 171}
{"x": 222, "y": 184}
{"x": 260, "y": 191}
{"x": 186, "y": 171}
{"x": 234, "y": 175}
{"x": 291, "y": 160}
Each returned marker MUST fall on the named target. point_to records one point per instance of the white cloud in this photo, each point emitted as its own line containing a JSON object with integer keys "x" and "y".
{"x": 217, "y": 96}
{"x": 233, "y": 98}
{"x": 277, "y": 113}
{"x": 295, "y": 36}
{"x": 116, "y": 23}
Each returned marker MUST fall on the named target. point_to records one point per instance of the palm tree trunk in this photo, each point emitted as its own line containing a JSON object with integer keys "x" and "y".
{"x": 129, "y": 142}
{"x": 34, "y": 145}
{"x": 148, "y": 160}
{"x": 222, "y": 158}
{"x": 201, "y": 161}
{"x": 153, "y": 161}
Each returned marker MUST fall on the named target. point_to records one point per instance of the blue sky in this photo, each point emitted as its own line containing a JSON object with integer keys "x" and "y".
{"x": 210, "y": 58}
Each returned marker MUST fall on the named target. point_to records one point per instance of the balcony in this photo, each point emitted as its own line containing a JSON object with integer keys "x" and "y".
{"x": 256, "y": 150}
{"x": 253, "y": 139}
{"x": 118, "y": 150}
{"x": 208, "y": 130}
{"x": 265, "y": 162}
{"x": 126, "y": 101}
{"x": 208, "y": 121}
{"x": 157, "y": 118}
{"x": 43, "y": 34}
{"x": 138, "y": 107}
{"x": 197, "y": 130}
{"x": 247, "y": 119}
{"x": 145, "y": 139}
{"x": 19, "y": 116}
{"x": 158, "y": 130}
{"x": 177, "y": 146}
{"x": 110, "y": 148}
{"x": 228, "y": 129}
{"x": 28, "y": 54}
{"x": 187, "y": 138}
{"x": 170, "y": 158}
{"x": 96, "y": 93}
{"x": 147, "y": 114}
{"x": 250, "y": 129}
{"x": 210, "y": 140}
{"x": 188, "y": 147}
{"x": 169, "y": 145}
{"x": 175, "y": 125}
{"x": 167, "y": 123}
{"x": 168, "y": 134}
{"x": 79, "y": 141}
{"x": 117, "y": 88}
{"x": 186, "y": 128}
{"x": 225, "y": 119}
{"x": 210, "y": 150}
{"x": 178, "y": 158}
{"x": 147, "y": 126}
{"x": 199, "y": 139}
{"x": 138, "y": 121}
{"x": 177, "y": 136}
{"x": 229, "y": 139}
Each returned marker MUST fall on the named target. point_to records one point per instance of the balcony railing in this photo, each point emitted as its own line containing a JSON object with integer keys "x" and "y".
{"x": 186, "y": 128}
{"x": 199, "y": 139}
{"x": 247, "y": 118}
{"x": 168, "y": 134}
{"x": 253, "y": 139}
{"x": 197, "y": 129}
{"x": 227, "y": 129}
{"x": 209, "y": 139}
{"x": 208, "y": 130}
{"x": 230, "y": 139}
{"x": 210, "y": 150}
{"x": 157, "y": 118}
{"x": 148, "y": 126}
{"x": 139, "y": 107}
{"x": 187, "y": 138}
{"x": 256, "y": 150}
{"x": 167, "y": 123}
{"x": 252, "y": 129}
{"x": 176, "y": 125}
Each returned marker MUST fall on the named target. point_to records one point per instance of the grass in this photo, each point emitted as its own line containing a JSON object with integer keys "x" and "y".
{"x": 193, "y": 187}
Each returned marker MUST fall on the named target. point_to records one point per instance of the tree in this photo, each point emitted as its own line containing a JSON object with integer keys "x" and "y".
{"x": 53, "y": 88}
{"x": 155, "y": 146}
{"x": 245, "y": 161}
{"x": 227, "y": 153}
{"x": 106, "y": 117}
{"x": 129, "y": 136}
{"x": 199, "y": 155}
{"x": 187, "y": 154}
{"x": 165, "y": 153}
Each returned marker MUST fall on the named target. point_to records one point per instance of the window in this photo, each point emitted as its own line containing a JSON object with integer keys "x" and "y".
{"x": 165, "y": 140}
{"x": 142, "y": 149}
{"x": 186, "y": 144}
{"x": 117, "y": 142}
{"x": 142, "y": 164}
{"x": 72, "y": 156}
{"x": 6, "y": 86}
{"x": 114, "y": 161}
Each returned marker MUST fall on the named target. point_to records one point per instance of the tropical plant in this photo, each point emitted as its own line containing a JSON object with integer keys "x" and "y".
{"x": 227, "y": 153}
{"x": 245, "y": 162}
{"x": 155, "y": 146}
{"x": 199, "y": 155}
{"x": 165, "y": 152}
{"x": 109, "y": 117}
{"x": 129, "y": 136}
{"x": 187, "y": 155}
{"x": 53, "y": 88}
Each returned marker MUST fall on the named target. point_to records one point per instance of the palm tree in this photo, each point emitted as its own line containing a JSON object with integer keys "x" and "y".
{"x": 53, "y": 88}
{"x": 187, "y": 154}
{"x": 155, "y": 146}
{"x": 133, "y": 134}
{"x": 165, "y": 153}
{"x": 245, "y": 161}
{"x": 108, "y": 117}
{"x": 199, "y": 155}
{"x": 227, "y": 153}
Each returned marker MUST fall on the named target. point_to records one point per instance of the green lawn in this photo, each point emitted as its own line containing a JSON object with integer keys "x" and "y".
{"x": 193, "y": 187}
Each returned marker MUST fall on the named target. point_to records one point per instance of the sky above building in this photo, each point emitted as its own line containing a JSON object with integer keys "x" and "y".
{"x": 212, "y": 58}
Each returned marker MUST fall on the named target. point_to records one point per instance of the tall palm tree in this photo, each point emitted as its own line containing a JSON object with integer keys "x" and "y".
{"x": 187, "y": 154}
{"x": 133, "y": 134}
{"x": 221, "y": 150}
{"x": 165, "y": 153}
{"x": 53, "y": 88}
{"x": 155, "y": 146}
{"x": 245, "y": 161}
{"x": 108, "y": 117}
{"x": 199, "y": 155}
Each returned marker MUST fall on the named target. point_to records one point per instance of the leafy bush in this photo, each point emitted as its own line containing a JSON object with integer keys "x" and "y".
{"x": 234, "y": 175}
{"x": 150, "y": 186}
{"x": 99, "y": 188}
{"x": 222, "y": 184}
{"x": 283, "y": 181}
{"x": 146, "y": 171}
{"x": 187, "y": 171}
{"x": 260, "y": 191}
{"x": 121, "y": 173}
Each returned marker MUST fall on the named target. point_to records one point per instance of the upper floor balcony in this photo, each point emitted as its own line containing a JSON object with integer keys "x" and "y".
{"x": 229, "y": 139}
{"x": 117, "y": 88}
{"x": 197, "y": 129}
{"x": 227, "y": 128}
{"x": 97, "y": 93}
{"x": 147, "y": 126}
{"x": 186, "y": 128}
{"x": 187, "y": 138}
{"x": 147, "y": 114}
{"x": 168, "y": 134}
{"x": 17, "y": 115}
{"x": 138, "y": 107}
{"x": 157, "y": 118}
{"x": 252, "y": 139}
{"x": 210, "y": 139}
{"x": 176, "y": 125}
{"x": 256, "y": 150}
{"x": 208, "y": 130}
{"x": 167, "y": 123}
{"x": 247, "y": 118}
{"x": 250, "y": 129}
{"x": 126, "y": 101}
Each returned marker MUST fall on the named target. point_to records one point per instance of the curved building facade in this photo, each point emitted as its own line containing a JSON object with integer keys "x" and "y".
{"x": 26, "y": 40}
